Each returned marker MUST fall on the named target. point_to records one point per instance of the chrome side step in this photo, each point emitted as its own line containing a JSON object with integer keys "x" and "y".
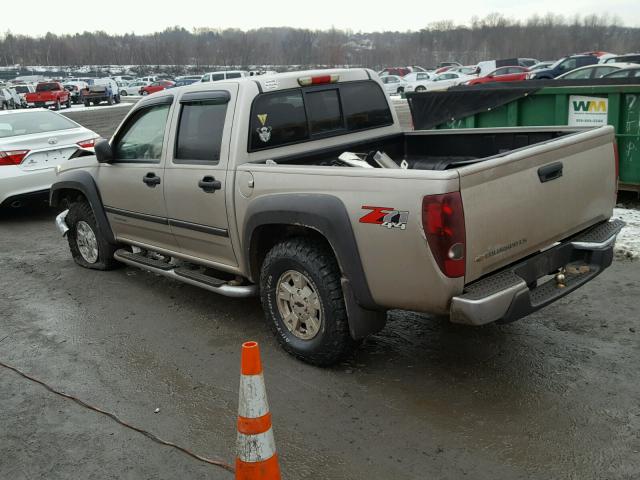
{"x": 177, "y": 273}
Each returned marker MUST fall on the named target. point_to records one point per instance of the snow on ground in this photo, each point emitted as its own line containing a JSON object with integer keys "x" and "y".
{"x": 628, "y": 243}
{"x": 80, "y": 107}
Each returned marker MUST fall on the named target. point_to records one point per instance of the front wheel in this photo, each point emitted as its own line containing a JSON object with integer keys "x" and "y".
{"x": 89, "y": 248}
{"x": 302, "y": 298}
{"x": 421, "y": 89}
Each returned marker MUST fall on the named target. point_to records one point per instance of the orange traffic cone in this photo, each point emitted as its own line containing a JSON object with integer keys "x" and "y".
{"x": 256, "y": 457}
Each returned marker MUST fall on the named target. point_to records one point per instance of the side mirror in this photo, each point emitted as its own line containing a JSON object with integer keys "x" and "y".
{"x": 103, "y": 151}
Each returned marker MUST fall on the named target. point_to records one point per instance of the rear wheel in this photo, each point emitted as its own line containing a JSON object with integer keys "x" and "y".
{"x": 87, "y": 103}
{"x": 144, "y": 93}
{"x": 89, "y": 248}
{"x": 123, "y": 93}
{"x": 420, "y": 88}
{"x": 302, "y": 298}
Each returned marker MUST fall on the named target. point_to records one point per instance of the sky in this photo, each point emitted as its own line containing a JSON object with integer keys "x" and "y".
{"x": 128, "y": 16}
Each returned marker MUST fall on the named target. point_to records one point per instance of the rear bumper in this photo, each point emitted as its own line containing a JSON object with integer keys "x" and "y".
{"x": 517, "y": 291}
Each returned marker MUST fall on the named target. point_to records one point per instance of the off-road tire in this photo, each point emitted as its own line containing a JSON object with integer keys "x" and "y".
{"x": 82, "y": 211}
{"x": 333, "y": 341}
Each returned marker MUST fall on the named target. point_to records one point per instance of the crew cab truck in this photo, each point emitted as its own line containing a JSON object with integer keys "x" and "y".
{"x": 49, "y": 94}
{"x": 250, "y": 187}
{"x": 102, "y": 90}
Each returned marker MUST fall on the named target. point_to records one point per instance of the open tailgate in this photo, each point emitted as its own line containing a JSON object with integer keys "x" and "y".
{"x": 524, "y": 201}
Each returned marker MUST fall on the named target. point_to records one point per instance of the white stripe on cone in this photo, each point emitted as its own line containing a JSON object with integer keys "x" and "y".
{"x": 253, "y": 396}
{"x": 256, "y": 448}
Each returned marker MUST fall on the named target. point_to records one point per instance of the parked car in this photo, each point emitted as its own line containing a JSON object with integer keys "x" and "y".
{"x": 397, "y": 71}
{"x": 49, "y": 94}
{"x": 593, "y": 71}
{"x": 415, "y": 76}
{"x": 393, "y": 84}
{"x": 257, "y": 191}
{"x": 631, "y": 72}
{"x": 216, "y": 76}
{"x": 628, "y": 58}
{"x": 440, "y": 81}
{"x": 465, "y": 70}
{"x": 487, "y": 66}
{"x": 11, "y": 98}
{"x": 133, "y": 88}
{"x": 528, "y": 62}
{"x": 185, "y": 81}
{"x": 149, "y": 78}
{"x": 32, "y": 143}
{"x": 75, "y": 89}
{"x": 448, "y": 64}
{"x": 22, "y": 90}
{"x": 6, "y": 100}
{"x": 102, "y": 90}
{"x": 156, "y": 87}
{"x": 502, "y": 74}
{"x": 562, "y": 66}
{"x": 540, "y": 65}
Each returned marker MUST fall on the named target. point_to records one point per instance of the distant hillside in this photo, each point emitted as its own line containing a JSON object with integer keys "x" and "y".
{"x": 547, "y": 37}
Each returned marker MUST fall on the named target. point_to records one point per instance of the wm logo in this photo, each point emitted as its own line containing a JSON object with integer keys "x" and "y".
{"x": 590, "y": 106}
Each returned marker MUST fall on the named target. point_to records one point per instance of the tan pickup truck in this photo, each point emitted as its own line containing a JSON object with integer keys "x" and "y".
{"x": 302, "y": 188}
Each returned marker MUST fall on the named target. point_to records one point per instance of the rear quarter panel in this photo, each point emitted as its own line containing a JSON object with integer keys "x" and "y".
{"x": 399, "y": 268}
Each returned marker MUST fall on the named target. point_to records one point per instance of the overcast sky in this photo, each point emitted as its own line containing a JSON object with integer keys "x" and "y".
{"x": 123, "y": 16}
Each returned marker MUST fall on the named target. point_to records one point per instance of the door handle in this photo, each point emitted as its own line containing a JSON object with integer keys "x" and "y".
{"x": 151, "y": 179}
{"x": 550, "y": 172}
{"x": 209, "y": 184}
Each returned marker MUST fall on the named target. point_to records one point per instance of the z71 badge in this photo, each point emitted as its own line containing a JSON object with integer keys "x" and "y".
{"x": 386, "y": 216}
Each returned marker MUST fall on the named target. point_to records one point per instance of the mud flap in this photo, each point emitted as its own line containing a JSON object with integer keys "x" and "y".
{"x": 362, "y": 322}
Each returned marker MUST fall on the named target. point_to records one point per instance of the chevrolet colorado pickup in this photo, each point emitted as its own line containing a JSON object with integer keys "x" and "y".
{"x": 49, "y": 94}
{"x": 302, "y": 188}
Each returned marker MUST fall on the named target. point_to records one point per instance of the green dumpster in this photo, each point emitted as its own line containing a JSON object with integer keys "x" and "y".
{"x": 617, "y": 105}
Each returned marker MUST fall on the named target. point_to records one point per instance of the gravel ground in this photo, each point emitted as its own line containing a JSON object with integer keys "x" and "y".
{"x": 556, "y": 395}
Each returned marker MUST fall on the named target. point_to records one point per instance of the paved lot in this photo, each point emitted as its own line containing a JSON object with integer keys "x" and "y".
{"x": 556, "y": 396}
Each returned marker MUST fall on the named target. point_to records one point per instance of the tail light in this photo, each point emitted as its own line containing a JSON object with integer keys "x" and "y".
{"x": 12, "y": 157}
{"x": 443, "y": 223}
{"x": 318, "y": 80}
{"x": 616, "y": 159}
{"x": 90, "y": 143}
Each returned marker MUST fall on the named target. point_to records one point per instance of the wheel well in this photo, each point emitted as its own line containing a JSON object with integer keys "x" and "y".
{"x": 265, "y": 237}
{"x": 66, "y": 196}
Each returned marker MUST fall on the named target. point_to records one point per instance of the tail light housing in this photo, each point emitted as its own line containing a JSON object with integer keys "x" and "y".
{"x": 12, "y": 157}
{"x": 318, "y": 80}
{"x": 443, "y": 223}
{"x": 90, "y": 143}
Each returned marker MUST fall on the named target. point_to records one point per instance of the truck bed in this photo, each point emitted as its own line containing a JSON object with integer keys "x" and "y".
{"x": 434, "y": 150}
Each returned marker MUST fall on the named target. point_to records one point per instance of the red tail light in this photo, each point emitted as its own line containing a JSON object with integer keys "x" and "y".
{"x": 616, "y": 157}
{"x": 12, "y": 157}
{"x": 90, "y": 143}
{"x": 443, "y": 223}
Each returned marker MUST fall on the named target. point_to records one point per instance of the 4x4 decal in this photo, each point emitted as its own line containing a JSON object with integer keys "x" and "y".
{"x": 386, "y": 216}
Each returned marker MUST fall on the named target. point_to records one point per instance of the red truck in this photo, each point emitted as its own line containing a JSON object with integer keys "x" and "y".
{"x": 49, "y": 94}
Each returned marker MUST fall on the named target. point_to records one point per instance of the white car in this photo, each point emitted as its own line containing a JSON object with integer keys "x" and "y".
{"x": 32, "y": 143}
{"x": 393, "y": 84}
{"x": 415, "y": 76}
{"x": 22, "y": 90}
{"x": 597, "y": 70}
{"x": 441, "y": 81}
{"x": 133, "y": 88}
{"x": 215, "y": 76}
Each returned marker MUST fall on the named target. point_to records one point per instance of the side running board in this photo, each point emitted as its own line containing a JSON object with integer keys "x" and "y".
{"x": 192, "y": 277}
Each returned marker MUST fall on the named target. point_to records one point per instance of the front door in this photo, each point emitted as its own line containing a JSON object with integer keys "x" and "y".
{"x": 196, "y": 183}
{"x": 132, "y": 185}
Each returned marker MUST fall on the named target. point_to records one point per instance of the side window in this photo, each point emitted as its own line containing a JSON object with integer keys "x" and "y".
{"x": 142, "y": 138}
{"x": 365, "y": 106}
{"x": 636, "y": 74}
{"x": 234, "y": 75}
{"x": 600, "y": 71}
{"x": 567, "y": 65}
{"x": 217, "y": 76}
{"x": 323, "y": 108}
{"x": 278, "y": 119}
{"x": 579, "y": 74}
{"x": 200, "y": 132}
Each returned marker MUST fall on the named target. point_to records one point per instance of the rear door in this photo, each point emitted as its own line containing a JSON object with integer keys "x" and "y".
{"x": 132, "y": 185}
{"x": 522, "y": 202}
{"x": 196, "y": 174}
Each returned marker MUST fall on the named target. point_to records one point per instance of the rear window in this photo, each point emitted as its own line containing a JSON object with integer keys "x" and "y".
{"x": 46, "y": 87}
{"x": 324, "y": 113}
{"x": 200, "y": 132}
{"x": 28, "y": 123}
{"x": 293, "y": 116}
